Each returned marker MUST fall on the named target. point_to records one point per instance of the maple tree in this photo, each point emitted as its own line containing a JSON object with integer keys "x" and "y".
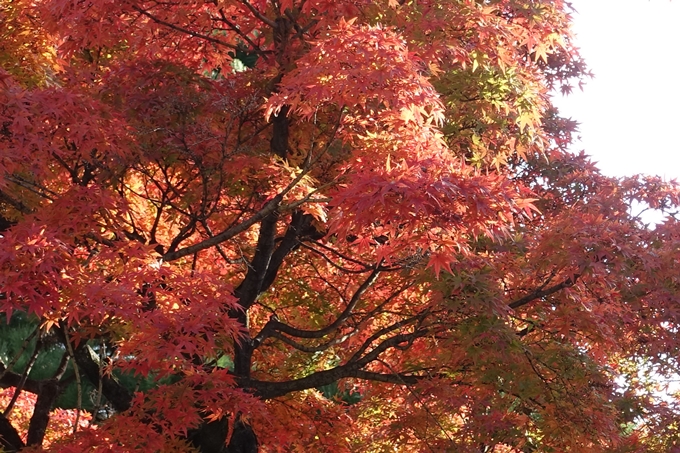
{"x": 242, "y": 225}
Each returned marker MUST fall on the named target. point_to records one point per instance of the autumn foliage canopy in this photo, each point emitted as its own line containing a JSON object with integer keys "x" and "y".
{"x": 320, "y": 226}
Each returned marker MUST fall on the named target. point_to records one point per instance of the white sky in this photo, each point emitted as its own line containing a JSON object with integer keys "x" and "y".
{"x": 630, "y": 111}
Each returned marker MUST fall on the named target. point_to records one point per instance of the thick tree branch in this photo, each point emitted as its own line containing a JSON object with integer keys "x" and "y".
{"x": 47, "y": 396}
{"x": 267, "y": 390}
{"x": 12, "y": 379}
{"x": 49, "y": 391}
{"x": 250, "y": 288}
{"x": 227, "y": 234}
{"x": 252, "y": 284}
{"x": 544, "y": 292}
{"x": 280, "y": 125}
{"x": 299, "y": 228}
{"x": 10, "y": 441}
{"x": 87, "y": 361}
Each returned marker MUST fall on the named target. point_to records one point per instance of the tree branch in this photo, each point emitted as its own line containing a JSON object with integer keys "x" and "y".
{"x": 275, "y": 324}
{"x": 227, "y": 234}
{"x": 258, "y": 14}
{"x": 12, "y": 379}
{"x": 20, "y": 386}
{"x": 10, "y": 441}
{"x": 118, "y": 396}
{"x": 269, "y": 207}
{"x": 299, "y": 228}
{"x": 183, "y": 30}
{"x": 382, "y": 332}
{"x": 236, "y": 29}
{"x": 393, "y": 378}
{"x": 252, "y": 284}
{"x": 569, "y": 282}
{"x": 389, "y": 343}
{"x": 16, "y": 204}
{"x": 49, "y": 391}
{"x": 268, "y": 390}
{"x": 312, "y": 349}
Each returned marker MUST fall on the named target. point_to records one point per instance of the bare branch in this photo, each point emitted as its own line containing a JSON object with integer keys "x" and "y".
{"x": 391, "y": 342}
{"x": 227, "y": 234}
{"x": 334, "y": 264}
{"x": 20, "y": 385}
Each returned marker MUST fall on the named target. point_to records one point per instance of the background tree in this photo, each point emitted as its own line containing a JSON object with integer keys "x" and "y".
{"x": 320, "y": 226}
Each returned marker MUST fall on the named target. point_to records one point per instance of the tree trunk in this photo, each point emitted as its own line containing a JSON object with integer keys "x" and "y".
{"x": 211, "y": 437}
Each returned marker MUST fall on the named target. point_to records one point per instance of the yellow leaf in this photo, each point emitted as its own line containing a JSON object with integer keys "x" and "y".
{"x": 407, "y": 115}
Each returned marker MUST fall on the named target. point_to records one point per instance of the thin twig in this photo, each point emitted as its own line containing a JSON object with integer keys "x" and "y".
{"x": 16, "y": 357}
{"x": 235, "y": 28}
{"x": 422, "y": 404}
{"x": 183, "y": 30}
{"x": 20, "y": 386}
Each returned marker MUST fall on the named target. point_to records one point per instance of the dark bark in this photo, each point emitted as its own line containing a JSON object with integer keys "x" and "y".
{"x": 12, "y": 379}
{"x": 118, "y": 396}
{"x": 250, "y": 288}
{"x": 243, "y": 439}
{"x": 353, "y": 368}
{"x": 540, "y": 293}
{"x": 279, "y": 140}
{"x": 299, "y": 229}
{"x": 9, "y": 437}
{"x": 211, "y": 437}
{"x": 5, "y": 224}
{"x": 49, "y": 391}
{"x": 261, "y": 274}
{"x": 252, "y": 284}
{"x": 262, "y": 270}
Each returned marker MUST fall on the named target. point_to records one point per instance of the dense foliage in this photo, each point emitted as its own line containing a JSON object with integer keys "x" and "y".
{"x": 319, "y": 226}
